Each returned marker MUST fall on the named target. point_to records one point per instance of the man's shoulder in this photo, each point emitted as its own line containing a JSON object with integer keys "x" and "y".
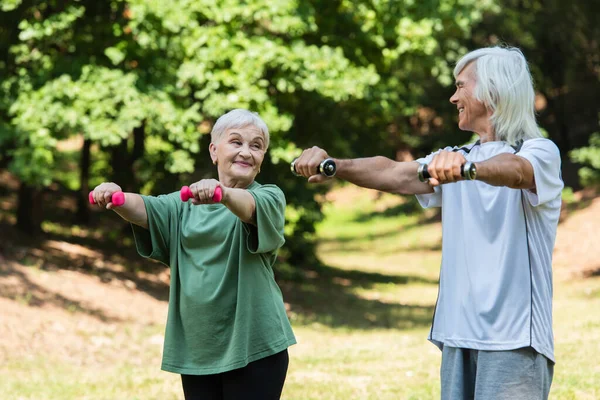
{"x": 540, "y": 143}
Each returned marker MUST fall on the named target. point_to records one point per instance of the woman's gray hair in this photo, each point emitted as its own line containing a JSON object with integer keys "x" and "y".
{"x": 238, "y": 118}
{"x": 504, "y": 85}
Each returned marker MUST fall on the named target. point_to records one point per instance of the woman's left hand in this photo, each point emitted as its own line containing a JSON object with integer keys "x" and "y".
{"x": 203, "y": 191}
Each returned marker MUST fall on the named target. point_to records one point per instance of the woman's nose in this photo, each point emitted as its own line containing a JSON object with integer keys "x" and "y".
{"x": 245, "y": 151}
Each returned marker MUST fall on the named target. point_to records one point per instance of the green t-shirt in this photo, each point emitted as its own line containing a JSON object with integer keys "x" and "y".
{"x": 225, "y": 308}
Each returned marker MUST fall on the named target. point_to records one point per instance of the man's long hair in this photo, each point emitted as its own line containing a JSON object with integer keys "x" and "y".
{"x": 504, "y": 85}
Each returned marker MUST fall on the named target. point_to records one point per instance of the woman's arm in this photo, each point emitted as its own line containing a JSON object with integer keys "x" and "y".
{"x": 241, "y": 203}
{"x": 133, "y": 210}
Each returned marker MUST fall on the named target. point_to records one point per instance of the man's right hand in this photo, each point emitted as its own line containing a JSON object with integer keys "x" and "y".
{"x": 103, "y": 194}
{"x": 308, "y": 163}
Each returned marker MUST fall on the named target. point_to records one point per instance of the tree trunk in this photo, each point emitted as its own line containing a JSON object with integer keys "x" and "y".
{"x": 119, "y": 160}
{"x": 122, "y": 161}
{"x": 83, "y": 211}
{"x": 29, "y": 210}
{"x": 139, "y": 138}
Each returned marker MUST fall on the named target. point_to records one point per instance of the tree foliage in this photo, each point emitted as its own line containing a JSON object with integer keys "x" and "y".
{"x": 589, "y": 156}
{"x": 561, "y": 40}
{"x": 139, "y": 83}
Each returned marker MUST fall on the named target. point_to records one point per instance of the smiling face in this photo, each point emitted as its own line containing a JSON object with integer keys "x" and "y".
{"x": 472, "y": 114}
{"x": 239, "y": 154}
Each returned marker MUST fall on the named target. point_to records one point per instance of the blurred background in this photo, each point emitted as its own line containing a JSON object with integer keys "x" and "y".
{"x": 128, "y": 91}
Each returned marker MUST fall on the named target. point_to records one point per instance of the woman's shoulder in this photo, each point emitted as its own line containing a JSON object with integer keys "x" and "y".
{"x": 268, "y": 191}
{"x": 267, "y": 187}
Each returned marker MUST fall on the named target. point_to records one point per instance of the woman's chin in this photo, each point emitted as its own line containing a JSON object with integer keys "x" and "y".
{"x": 240, "y": 177}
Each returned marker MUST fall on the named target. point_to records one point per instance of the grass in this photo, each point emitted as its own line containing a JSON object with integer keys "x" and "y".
{"x": 361, "y": 320}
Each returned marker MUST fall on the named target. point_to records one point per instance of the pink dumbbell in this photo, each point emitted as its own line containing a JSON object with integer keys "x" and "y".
{"x": 118, "y": 198}
{"x": 186, "y": 194}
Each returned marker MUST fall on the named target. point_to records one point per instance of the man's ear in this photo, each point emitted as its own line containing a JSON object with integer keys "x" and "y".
{"x": 212, "y": 148}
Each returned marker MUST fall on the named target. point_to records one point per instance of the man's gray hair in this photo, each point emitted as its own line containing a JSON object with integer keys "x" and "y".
{"x": 238, "y": 118}
{"x": 504, "y": 85}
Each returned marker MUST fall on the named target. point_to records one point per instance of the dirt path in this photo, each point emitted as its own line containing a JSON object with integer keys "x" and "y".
{"x": 577, "y": 249}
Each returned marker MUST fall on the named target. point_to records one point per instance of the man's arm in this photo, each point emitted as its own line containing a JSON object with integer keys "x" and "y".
{"x": 382, "y": 174}
{"x": 502, "y": 170}
{"x": 506, "y": 170}
{"x": 378, "y": 173}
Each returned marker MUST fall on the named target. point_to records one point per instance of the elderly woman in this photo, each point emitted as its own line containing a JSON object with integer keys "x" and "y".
{"x": 227, "y": 330}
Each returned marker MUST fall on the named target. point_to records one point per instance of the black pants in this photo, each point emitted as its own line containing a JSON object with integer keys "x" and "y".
{"x": 260, "y": 380}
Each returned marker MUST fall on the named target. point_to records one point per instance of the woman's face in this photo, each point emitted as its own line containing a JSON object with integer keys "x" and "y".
{"x": 239, "y": 154}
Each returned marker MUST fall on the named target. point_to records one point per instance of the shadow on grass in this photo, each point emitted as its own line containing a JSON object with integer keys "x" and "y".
{"x": 21, "y": 289}
{"x": 409, "y": 206}
{"x": 318, "y": 294}
{"x": 403, "y": 229}
{"x": 582, "y": 200}
{"x": 593, "y": 272}
{"x": 361, "y": 248}
{"x": 105, "y": 259}
{"x": 326, "y": 295}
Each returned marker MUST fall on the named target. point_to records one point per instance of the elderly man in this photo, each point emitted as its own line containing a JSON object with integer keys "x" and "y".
{"x": 501, "y": 200}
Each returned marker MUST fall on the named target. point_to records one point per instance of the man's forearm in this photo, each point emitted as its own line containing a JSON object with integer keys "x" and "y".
{"x": 506, "y": 170}
{"x": 134, "y": 210}
{"x": 382, "y": 174}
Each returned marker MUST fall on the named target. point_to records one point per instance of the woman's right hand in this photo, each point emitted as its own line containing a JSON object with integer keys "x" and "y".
{"x": 203, "y": 191}
{"x": 103, "y": 194}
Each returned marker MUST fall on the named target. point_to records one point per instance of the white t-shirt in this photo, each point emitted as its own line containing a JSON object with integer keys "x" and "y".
{"x": 496, "y": 277}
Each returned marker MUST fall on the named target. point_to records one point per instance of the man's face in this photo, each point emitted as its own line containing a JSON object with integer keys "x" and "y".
{"x": 472, "y": 114}
{"x": 239, "y": 154}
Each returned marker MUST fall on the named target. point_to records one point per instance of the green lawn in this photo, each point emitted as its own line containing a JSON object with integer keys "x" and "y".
{"x": 361, "y": 320}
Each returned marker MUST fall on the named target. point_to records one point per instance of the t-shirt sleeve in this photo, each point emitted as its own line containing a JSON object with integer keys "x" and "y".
{"x": 429, "y": 200}
{"x": 267, "y": 235}
{"x": 545, "y": 159}
{"x": 163, "y": 217}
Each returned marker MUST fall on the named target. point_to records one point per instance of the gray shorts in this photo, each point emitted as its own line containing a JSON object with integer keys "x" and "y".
{"x": 522, "y": 374}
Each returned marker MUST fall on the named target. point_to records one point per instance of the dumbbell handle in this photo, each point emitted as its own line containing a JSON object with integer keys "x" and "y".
{"x": 186, "y": 194}
{"x": 423, "y": 172}
{"x": 326, "y": 168}
{"x": 118, "y": 198}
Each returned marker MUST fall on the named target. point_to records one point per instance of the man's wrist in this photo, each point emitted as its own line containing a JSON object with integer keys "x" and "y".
{"x": 470, "y": 171}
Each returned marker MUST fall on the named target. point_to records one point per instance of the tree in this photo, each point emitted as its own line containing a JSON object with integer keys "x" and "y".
{"x": 561, "y": 41}
{"x": 142, "y": 81}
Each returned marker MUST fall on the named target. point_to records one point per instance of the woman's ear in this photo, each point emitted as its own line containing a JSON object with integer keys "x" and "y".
{"x": 212, "y": 148}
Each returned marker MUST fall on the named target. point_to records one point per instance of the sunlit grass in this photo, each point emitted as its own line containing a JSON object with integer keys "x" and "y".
{"x": 361, "y": 320}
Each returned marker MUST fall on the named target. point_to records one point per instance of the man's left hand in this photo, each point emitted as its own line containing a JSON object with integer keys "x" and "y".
{"x": 445, "y": 168}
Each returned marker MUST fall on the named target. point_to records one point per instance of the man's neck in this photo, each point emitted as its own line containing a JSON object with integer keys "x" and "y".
{"x": 486, "y": 135}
